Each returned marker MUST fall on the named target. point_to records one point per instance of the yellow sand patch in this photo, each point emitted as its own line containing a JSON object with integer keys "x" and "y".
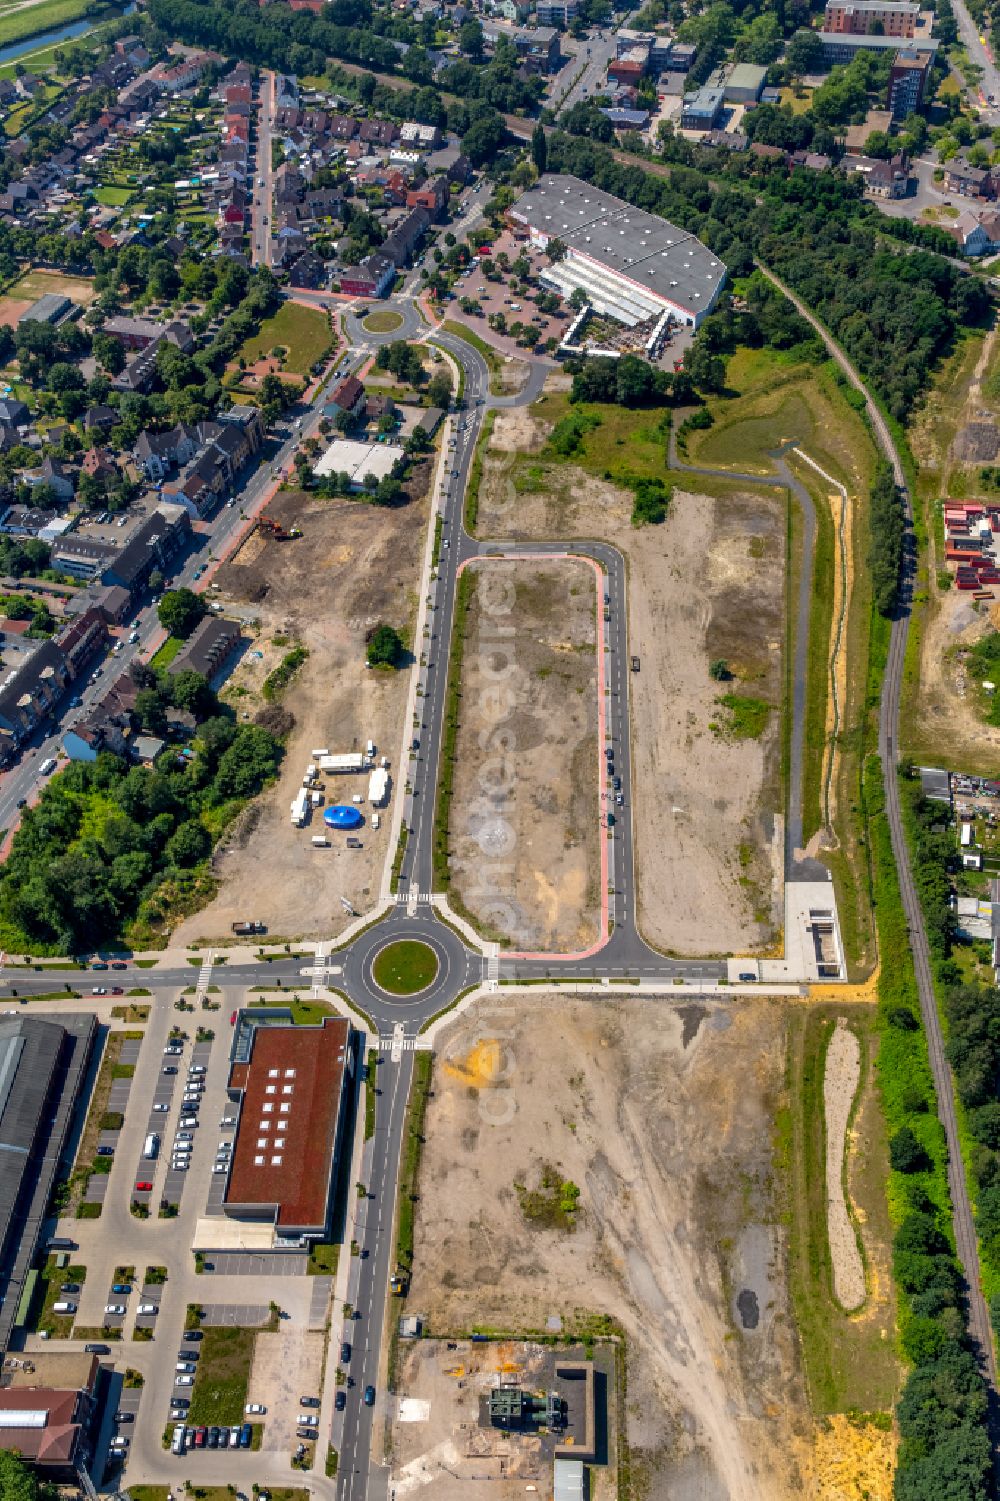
{"x": 866, "y": 993}
{"x": 480, "y": 1068}
{"x": 852, "y": 1461}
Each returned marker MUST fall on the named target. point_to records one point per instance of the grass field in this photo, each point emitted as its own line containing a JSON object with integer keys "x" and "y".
{"x": 382, "y": 322}
{"x": 35, "y": 283}
{"x": 850, "y": 1360}
{"x": 165, "y": 654}
{"x": 405, "y": 968}
{"x": 303, "y": 331}
{"x": 219, "y": 1393}
{"x": 113, "y": 197}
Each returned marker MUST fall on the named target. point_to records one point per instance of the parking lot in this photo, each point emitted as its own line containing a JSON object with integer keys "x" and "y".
{"x": 286, "y": 1367}
{"x": 251, "y": 1264}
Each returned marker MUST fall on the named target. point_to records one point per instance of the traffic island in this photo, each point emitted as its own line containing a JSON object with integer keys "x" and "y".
{"x": 406, "y": 967}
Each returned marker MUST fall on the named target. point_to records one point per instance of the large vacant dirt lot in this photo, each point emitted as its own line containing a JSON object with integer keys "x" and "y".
{"x": 355, "y": 565}
{"x": 662, "y": 1115}
{"x": 525, "y": 835}
{"x": 707, "y": 584}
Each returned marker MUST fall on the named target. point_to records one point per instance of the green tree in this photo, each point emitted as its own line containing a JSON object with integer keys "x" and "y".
{"x": 385, "y": 647}
{"x": 906, "y": 1155}
{"x": 17, "y": 1482}
{"x": 439, "y": 389}
{"x": 539, "y": 148}
{"x": 180, "y": 610}
{"x": 189, "y": 845}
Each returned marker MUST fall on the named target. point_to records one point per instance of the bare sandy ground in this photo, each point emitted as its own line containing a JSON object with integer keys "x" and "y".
{"x": 524, "y": 835}
{"x": 950, "y": 721}
{"x": 662, "y": 1115}
{"x": 707, "y": 584}
{"x": 841, "y": 1077}
{"x": 355, "y": 565}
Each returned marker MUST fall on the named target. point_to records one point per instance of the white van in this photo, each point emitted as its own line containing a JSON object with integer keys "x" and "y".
{"x": 376, "y": 821}
{"x": 151, "y": 1148}
{"x": 64, "y": 1308}
{"x": 47, "y": 766}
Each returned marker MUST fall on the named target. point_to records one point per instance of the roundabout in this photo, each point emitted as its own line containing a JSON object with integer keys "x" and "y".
{"x": 405, "y": 967}
{"x": 382, "y": 321}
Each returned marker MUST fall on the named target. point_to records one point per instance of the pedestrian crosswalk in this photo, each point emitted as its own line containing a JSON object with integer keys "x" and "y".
{"x": 493, "y": 966}
{"x": 387, "y": 1043}
{"x": 204, "y": 976}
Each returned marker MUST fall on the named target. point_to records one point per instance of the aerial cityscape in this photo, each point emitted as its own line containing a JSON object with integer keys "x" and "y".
{"x": 499, "y": 750}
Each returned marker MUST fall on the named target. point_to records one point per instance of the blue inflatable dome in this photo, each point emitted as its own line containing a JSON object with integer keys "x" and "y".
{"x": 342, "y": 817}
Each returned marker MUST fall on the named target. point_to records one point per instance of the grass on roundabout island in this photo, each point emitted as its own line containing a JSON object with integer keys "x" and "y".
{"x": 405, "y": 967}
{"x": 382, "y": 322}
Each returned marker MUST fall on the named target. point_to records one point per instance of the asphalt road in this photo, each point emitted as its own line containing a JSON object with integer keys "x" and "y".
{"x": 982, "y": 56}
{"x": 263, "y": 197}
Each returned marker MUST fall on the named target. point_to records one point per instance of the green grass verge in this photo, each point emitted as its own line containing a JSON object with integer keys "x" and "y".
{"x": 476, "y": 473}
{"x": 18, "y": 25}
{"x": 449, "y": 739}
{"x": 493, "y": 361}
{"x": 409, "y": 1172}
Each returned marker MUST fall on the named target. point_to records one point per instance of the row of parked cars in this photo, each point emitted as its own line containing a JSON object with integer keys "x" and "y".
{"x": 185, "y": 1438}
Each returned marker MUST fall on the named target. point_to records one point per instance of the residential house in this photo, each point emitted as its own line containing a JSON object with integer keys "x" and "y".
{"x": 432, "y": 196}
{"x": 158, "y": 453}
{"x": 152, "y": 546}
{"x": 372, "y": 278}
{"x": 209, "y": 646}
{"x": 882, "y": 179}
{"x": 347, "y": 396}
{"x": 309, "y": 271}
{"x": 99, "y": 419}
{"x": 404, "y": 239}
{"x": 27, "y": 695}
{"x": 83, "y": 638}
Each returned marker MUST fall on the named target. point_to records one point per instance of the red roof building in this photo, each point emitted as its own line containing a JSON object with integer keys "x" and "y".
{"x": 291, "y": 1122}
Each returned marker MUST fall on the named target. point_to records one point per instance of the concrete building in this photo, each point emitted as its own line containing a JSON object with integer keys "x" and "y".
{"x": 907, "y": 81}
{"x": 556, "y": 12}
{"x": 42, "y": 1067}
{"x": 701, "y": 111}
{"x": 631, "y": 264}
{"x": 292, "y": 1085}
{"x": 841, "y": 47}
{"x": 745, "y": 84}
{"x": 891, "y": 18}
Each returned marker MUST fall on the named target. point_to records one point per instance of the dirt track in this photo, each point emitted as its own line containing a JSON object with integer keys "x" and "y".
{"x": 355, "y": 565}
{"x": 524, "y": 836}
{"x": 707, "y": 584}
{"x": 663, "y": 1116}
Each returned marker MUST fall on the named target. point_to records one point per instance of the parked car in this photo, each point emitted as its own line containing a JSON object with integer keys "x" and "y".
{"x": 185, "y": 1367}
{"x": 195, "y": 1334}
{"x": 184, "y": 1381}
{"x": 114, "y": 1308}
{"x": 200, "y": 1434}
{"x": 119, "y": 964}
{"x": 308, "y": 1401}
{"x": 121, "y": 1287}
{"x": 124, "y": 1417}
{"x": 99, "y": 990}
{"x": 369, "y": 1396}
{"x": 149, "y": 1308}
{"x": 345, "y": 1351}
{"x": 105, "y": 1151}
{"x": 255, "y": 1407}
{"x": 142, "y": 1187}
{"x": 246, "y": 1434}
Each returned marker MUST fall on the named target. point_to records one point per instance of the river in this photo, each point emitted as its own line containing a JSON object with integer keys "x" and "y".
{"x": 58, "y": 34}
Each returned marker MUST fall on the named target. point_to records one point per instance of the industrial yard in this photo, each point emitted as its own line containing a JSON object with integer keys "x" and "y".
{"x": 525, "y": 831}
{"x": 662, "y": 1115}
{"x": 326, "y": 590}
{"x": 450, "y": 1430}
{"x": 707, "y": 584}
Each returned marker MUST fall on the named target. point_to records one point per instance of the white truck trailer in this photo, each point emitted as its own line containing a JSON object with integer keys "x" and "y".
{"x": 300, "y": 807}
{"x": 352, "y": 761}
{"x": 378, "y": 787}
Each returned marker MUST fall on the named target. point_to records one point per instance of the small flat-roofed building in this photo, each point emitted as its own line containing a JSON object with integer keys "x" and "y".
{"x": 745, "y": 84}
{"x": 293, "y": 1085}
{"x": 52, "y": 308}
